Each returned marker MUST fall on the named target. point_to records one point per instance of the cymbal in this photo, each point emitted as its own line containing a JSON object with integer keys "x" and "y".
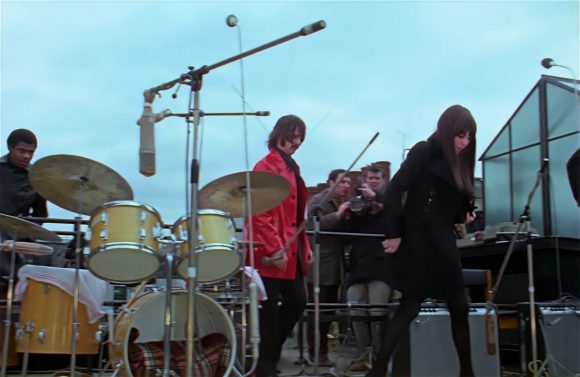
{"x": 15, "y": 227}
{"x": 27, "y": 248}
{"x": 228, "y": 193}
{"x": 78, "y": 184}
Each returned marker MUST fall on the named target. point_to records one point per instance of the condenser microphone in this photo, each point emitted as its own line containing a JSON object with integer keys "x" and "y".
{"x": 147, "y": 142}
{"x": 547, "y": 63}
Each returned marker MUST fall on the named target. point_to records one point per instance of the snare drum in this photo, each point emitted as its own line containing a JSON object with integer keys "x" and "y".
{"x": 50, "y": 310}
{"x": 218, "y": 257}
{"x": 124, "y": 241}
{"x": 143, "y": 322}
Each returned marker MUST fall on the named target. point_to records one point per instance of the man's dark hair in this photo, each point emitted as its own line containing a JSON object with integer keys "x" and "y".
{"x": 285, "y": 130}
{"x": 373, "y": 168}
{"x": 333, "y": 176}
{"x": 21, "y": 135}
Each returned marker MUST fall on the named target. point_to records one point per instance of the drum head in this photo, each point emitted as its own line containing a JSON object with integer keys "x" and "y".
{"x": 124, "y": 263}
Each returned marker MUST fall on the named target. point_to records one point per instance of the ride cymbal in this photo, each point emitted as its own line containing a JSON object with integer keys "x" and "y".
{"x": 228, "y": 193}
{"x": 78, "y": 184}
{"x": 18, "y": 228}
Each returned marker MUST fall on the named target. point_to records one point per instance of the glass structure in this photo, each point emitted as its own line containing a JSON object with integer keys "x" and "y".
{"x": 546, "y": 125}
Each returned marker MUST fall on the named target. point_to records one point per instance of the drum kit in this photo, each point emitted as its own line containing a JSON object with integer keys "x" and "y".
{"x": 128, "y": 244}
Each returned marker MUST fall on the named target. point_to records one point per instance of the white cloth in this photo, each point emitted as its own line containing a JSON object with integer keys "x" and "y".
{"x": 256, "y": 278}
{"x": 92, "y": 290}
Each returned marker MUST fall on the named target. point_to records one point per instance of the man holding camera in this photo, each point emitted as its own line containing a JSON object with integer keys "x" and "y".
{"x": 366, "y": 264}
{"x": 330, "y": 209}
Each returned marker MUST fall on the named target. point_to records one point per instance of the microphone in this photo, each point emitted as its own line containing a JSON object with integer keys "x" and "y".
{"x": 147, "y": 142}
{"x": 547, "y": 63}
{"x": 254, "y": 319}
{"x": 232, "y": 21}
{"x": 490, "y": 332}
{"x": 545, "y": 161}
{"x": 26, "y": 248}
{"x": 313, "y": 28}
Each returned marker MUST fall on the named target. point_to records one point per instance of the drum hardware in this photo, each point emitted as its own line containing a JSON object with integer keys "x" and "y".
{"x": 18, "y": 229}
{"x": 25, "y": 332}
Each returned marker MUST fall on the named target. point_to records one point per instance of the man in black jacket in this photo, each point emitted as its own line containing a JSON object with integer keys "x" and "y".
{"x": 366, "y": 265}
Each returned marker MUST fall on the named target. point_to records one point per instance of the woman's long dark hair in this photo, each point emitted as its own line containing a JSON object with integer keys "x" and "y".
{"x": 285, "y": 130}
{"x": 457, "y": 120}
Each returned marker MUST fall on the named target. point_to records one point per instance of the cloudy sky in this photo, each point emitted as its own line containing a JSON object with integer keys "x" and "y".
{"x": 74, "y": 72}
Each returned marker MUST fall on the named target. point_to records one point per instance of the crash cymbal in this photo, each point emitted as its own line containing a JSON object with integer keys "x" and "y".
{"x": 18, "y": 228}
{"x": 228, "y": 193}
{"x": 78, "y": 184}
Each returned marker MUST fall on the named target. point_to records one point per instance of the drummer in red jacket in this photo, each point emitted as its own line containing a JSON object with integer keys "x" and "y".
{"x": 282, "y": 267}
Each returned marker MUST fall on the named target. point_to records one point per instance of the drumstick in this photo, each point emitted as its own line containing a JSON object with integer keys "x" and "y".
{"x": 139, "y": 289}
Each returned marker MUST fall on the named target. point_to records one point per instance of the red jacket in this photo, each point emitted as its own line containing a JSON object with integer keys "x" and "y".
{"x": 273, "y": 228}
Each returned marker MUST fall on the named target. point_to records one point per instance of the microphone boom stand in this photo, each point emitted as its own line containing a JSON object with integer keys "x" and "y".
{"x": 193, "y": 78}
{"x": 525, "y": 218}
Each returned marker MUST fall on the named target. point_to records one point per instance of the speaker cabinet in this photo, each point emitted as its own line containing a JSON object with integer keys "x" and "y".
{"x": 558, "y": 337}
{"x": 429, "y": 351}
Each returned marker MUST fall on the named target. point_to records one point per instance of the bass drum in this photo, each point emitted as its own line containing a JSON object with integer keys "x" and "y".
{"x": 146, "y": 316}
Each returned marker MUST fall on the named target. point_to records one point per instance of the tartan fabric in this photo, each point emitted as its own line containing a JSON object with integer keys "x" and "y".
{"x": 211, "y": 361}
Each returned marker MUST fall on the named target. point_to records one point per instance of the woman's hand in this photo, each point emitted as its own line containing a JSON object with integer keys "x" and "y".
{"x": 391, "y": 245}
{"x": 470, "y": 217}
{"x": 281, "y": 262}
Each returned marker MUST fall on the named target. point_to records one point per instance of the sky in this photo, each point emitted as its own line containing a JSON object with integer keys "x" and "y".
{"x": 74, "y": 73}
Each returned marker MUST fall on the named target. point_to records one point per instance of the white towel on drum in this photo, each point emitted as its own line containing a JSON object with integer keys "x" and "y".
{"x": 92, "y": 290}
{"x": 262, "y": 295}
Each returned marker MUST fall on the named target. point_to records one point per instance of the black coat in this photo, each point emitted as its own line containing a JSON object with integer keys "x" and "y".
{"x": 427, "y": 263}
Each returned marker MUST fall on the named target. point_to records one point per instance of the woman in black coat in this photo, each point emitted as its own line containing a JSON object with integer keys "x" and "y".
{"x": 430, "y": 193}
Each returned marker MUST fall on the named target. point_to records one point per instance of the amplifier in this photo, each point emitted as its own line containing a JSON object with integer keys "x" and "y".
{"x": 558, "y": 338}
{"x": 429, "y": 349}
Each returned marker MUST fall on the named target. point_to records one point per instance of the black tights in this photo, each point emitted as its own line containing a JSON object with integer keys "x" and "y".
{"x": 408, "y": 310}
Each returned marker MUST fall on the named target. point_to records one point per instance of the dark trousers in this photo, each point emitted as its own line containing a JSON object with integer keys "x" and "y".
{"x": 278, "y": 315}
{"x": 328, "y": 294}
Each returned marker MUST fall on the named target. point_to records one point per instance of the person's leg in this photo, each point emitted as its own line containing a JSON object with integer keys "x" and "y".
{"x": 379, "y": 293}
{"x": 293, "y": 304}
{"x": 408, "y": 310}
{"x": 310, "y": 322}
{"x": 328, "y": 294}
{"x": 358, "y": 294}
{"x": 269, "y": 329}
{"x": 459, "y": 313}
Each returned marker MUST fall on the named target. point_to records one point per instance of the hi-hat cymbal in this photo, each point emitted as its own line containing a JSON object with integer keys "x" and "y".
{"x": 228, "y": 193}
{"x": 18, "y": 228}
{"x": 78, "y": 184}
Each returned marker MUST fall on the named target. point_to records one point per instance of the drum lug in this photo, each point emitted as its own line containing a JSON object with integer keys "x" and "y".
{"x": 105, "y": 217}
{"x": 18, "y": 334}
{"x": 143, "y": 216}
{"x": 157, "y": 231}
{"x": 104, "y": 234}
{"x": 142, "y": 234}
{"x": 41, "y": 335}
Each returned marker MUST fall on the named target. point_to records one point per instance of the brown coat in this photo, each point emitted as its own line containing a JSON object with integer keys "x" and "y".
{"x": 331, "y": 247}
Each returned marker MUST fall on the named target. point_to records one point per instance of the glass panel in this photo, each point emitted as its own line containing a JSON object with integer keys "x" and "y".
{"x": 496, "y": 190}
{"x": 500, "y": 145}
{"x": 565, "y": 213}
{"x": 526, "y": 164}
{"x": 562, "y": 111}
{"x": 526, "y": 123}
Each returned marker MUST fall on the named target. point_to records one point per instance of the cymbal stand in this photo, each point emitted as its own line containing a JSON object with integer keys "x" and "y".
{"x": 9, "y": 300}
{"x": 525, "y": 218}
{"x": 169, "y": 253}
